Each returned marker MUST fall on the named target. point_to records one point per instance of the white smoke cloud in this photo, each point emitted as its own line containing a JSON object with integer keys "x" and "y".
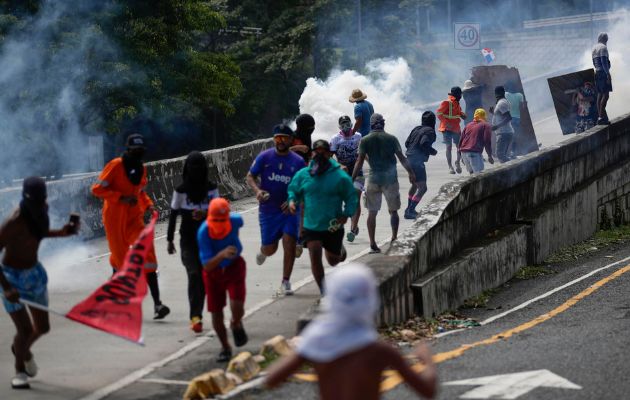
{"x": 387, "y": 85}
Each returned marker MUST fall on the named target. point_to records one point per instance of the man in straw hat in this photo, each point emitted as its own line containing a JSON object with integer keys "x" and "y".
{"x": 476, "y": 136}
{"x": 363, "y": 110}
{"x": 343, "y": 346}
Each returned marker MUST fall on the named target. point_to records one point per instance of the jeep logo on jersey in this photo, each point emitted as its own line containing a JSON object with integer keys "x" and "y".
{"x": 279, "y": 178}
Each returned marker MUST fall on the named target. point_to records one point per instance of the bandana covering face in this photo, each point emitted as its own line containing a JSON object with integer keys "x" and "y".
{"x": 347, "y": 323}
{"x": 218, "y": 220}
{"x": 132, "y": 161}
{"x": 320, "y": 164}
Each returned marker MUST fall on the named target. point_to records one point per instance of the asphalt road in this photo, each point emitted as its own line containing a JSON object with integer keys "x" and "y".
{"x": 77, "y": 362}
{"x": 572, "y": 344}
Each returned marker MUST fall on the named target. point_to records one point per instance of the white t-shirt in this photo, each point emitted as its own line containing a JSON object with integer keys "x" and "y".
{"x": 346, "y": 148}
{"x": 503, "y": 106}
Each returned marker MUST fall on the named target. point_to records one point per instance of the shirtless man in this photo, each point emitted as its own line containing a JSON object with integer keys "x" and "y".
{"x": 23, "y": 276}
{"x": 342, "y": 344}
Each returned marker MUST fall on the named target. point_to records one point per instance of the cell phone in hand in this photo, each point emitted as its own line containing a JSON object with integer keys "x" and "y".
{"x": 74, "y": 221}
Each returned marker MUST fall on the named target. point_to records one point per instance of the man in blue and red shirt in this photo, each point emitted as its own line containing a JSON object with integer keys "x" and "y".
{"x": 275, "y": 168}
{"x": 224, "y": 271}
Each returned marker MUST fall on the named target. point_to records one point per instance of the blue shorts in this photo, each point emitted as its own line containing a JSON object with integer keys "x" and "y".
{"x": 274, "y": 225}
{"x": 449, "y": 137}
{"x": 30, "y": 284}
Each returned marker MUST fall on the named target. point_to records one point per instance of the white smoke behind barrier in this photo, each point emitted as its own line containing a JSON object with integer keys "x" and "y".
{"x": 619, "y": 52}
{"x": 387, "y": 85}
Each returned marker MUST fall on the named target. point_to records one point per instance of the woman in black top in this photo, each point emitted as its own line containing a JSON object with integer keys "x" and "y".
{"x": 190, "y": 200}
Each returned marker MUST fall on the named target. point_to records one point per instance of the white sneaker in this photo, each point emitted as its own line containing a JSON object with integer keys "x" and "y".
{"x": 260, "y": 258}
{"x": 31, "y": 367}
{"x": 299, "y": 249}
{"x": 285, "y": 288}
{"x": 20, "y": 381}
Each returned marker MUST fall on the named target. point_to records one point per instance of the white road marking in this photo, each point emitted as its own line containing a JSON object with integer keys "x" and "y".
{"x": 164, "y": 381}
{"x": 535, "y": 299}
{"x": 512, "y": 386}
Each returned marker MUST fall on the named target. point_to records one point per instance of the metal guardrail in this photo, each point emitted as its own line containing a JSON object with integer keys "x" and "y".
{"x": 573, "y": 19}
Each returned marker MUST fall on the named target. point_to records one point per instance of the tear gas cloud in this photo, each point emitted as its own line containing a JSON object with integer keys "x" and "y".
{"x": 399, "y": 83}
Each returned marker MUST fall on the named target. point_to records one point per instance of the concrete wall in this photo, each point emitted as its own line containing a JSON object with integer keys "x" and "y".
{"x": 228, "y": 168}
{"x": 480, "y": 230}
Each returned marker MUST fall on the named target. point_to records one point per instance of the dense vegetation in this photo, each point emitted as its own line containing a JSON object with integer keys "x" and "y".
{"x": 210, "y": 73}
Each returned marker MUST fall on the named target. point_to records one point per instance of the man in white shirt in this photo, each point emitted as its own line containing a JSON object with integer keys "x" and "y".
{"x": 501, "y": 125}
{"x": 603, "y": 81}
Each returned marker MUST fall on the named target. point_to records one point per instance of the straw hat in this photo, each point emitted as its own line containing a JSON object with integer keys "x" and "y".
{"x": 357, "y": 95}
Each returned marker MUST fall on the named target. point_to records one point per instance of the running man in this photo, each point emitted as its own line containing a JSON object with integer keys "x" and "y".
{"x": 329, "y": 200}
{"x": 121, "y": 186}
{"x": 224, "y": 270}
{"x": 22, "y": 276}
{"x": 450, "y": 115}
{"x": 381, "y": 150}
{"x": 275, "y": 168}
{"x": 342, "y": 344}
{"x": 302, "y": 141}
{"x": 419, "y": 147}
{"x": 190, "y": 201}
{"x": 345, "y": 146}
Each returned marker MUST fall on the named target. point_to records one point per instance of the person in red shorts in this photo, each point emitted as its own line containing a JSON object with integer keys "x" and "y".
{"x": 224, "y": 271}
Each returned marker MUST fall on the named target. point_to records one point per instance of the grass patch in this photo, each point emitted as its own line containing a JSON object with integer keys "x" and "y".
{"x": 600, "y": 240}
{"x": 481, "y": 300}
{"x": 531, "y": 272}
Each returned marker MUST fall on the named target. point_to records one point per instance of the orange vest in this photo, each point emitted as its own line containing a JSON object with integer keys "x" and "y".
{"x": 449, "y": 113}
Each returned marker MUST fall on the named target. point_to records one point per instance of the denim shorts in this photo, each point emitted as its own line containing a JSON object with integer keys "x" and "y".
{"x": 449, "y": 138}
{"x": 30, "y": 283}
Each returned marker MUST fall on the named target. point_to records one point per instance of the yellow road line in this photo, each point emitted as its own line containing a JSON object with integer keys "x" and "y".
{"x": 396, "y": 379}
{"x": 393, "y": 379}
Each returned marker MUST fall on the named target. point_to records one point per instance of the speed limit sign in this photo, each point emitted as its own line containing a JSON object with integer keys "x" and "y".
{"x": 466, "y": 36}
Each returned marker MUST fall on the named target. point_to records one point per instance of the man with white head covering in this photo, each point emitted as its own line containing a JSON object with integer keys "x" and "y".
{"x": 343, "y": 346}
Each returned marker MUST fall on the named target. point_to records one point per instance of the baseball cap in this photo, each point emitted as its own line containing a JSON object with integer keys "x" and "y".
{"x": 282, "y": 129}
{"x": 135, "y": 141}
{"x": 218, "y": 220}
{"x": 321, "y": 144}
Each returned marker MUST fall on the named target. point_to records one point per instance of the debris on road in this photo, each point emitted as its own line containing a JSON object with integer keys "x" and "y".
{"x": 417, "y": 328}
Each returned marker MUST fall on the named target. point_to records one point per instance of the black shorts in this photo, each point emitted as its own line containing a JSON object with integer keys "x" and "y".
{"x": 331, "y": 241}
{"x": 419, "y": 171}
{"x": 601, "y": 82}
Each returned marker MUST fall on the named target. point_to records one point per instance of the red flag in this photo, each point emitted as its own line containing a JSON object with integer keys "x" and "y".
{"x": 116, "y": 307}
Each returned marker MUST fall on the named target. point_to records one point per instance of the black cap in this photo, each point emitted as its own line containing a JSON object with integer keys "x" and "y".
{"x": 135, "y": 141}
{"x": 34, "y": 189}
{"x": 343, "y": 119}
{"x": 282, "y": 129}
{"x": 456, "y": 91}
{"x": 321, "y": 144}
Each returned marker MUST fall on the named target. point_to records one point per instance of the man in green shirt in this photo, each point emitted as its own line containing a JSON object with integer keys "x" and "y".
{"x": 381, "y": 150}
{"x": 516, "y": 100}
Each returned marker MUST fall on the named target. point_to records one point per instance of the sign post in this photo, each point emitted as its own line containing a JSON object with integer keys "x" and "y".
{"x": 466, "y": 36}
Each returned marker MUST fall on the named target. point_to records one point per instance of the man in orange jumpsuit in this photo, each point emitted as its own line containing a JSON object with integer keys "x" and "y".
{"x": 121, "y": 186}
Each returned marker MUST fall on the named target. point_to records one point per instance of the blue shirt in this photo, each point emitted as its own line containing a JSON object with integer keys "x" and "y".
{"x": 208, "y": 247}
{"x": 275, "y": 172}
{"x": 364, "y": 110}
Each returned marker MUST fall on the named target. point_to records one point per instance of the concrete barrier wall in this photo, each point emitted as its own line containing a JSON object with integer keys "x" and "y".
{"x": 480, "y": 230}
{"x": 228, "y": 167}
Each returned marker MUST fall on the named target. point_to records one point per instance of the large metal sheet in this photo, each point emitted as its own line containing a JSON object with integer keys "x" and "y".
{"x": 563, "y": 89}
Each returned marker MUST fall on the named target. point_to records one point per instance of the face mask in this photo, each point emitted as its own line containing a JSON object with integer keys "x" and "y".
{"x": 320, "y": 164}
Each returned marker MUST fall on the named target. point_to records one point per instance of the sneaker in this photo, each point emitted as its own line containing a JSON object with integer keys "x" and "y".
{"x": 20, "y": 381}
{"x": 603, "y": 121}
{"x": 352, "y": 234}
{"x": 451, "y": 171}
{"x": 161, "y": 311}
{"x": 196, "y": 325}
{"x": 410, "y": 214}
{"x": 260, "y": 258}
{"x": 458, "y": 167}
{"x": 299, "y": 249}
{"x": 285, "y": 288}
{"x": 240, "y": 336}
{"x": 225, "y": 355}
{"x": 374, "y": 249}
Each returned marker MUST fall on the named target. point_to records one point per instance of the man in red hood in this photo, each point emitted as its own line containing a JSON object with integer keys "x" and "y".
{"x": 450, "y": 115}
{"x": 224, "y": 271}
